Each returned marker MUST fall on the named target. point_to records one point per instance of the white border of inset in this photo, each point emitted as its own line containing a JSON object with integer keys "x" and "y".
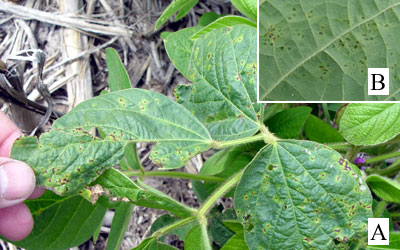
{"x": 258, "y": 75}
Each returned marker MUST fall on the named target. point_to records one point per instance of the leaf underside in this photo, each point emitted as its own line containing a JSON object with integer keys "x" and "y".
{"x": 69, "y": 157}
{"x": 301, "y": 195}
{"x": 223, "y": 67}
{"x": 321, "y": 50}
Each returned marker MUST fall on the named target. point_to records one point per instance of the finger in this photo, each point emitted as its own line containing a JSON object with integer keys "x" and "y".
{"x": 16, "y": 222}
{"x": 17, "y": 182}
{"x": 37, "y": 192}
{"x": 9, "y": 132}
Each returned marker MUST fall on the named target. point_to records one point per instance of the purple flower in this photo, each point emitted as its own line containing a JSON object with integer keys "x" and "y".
{"x": 360, "y": 159}
{"x": 363, "y": 168}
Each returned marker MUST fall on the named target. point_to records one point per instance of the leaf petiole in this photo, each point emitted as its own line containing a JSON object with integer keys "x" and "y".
{"x": 173, "y": 174}
{"x": 218, "y": 193}
{"x": 174, "y": 225}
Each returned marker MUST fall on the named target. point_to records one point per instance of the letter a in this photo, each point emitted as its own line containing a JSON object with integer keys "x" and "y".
{"x": 380, "y": 233}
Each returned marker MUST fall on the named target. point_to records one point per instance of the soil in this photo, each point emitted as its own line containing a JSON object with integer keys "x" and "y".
{"x": 142, "y": 53}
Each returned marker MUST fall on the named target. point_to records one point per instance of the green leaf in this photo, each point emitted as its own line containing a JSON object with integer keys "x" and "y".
{"x": 180, "y": 6}
{"x": 385, "y": 188}
{"x": 222, "y": 22}
{"x": 301, "y": 195}
{"x": 179, "y": 48}
{"x": 321, "y": 51}
{"x": 121, "y": 219}
{"x": 118, "y": 78}
{"x": 223, "y": 68}
{"x": 68, "y": 157}
{"x": 121, "y": 186}
{"x": 394, "y": 243}
{"x": 246, "y": 7}
{"x": 236, "y": 243}
{"x": 319, "y": 131}
{"x": 289, "y": 123}
{"x": 208, "y": 18}
{"x": 370, "y": 123}
{"x": 218, "y": 231}
{"x": 61, "y": 222}
{"x": 234, "y": 226}
{"x": 195, "y": 240}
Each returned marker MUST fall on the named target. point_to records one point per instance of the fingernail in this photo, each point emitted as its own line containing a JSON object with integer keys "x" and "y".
{"x": 17, "y": 180}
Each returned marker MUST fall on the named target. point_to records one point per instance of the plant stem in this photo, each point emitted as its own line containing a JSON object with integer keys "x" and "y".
{"x": 382, "y": 157}
{"x": 351, "y": 154}
{"x": 204, "y": 234}
{"x": 380, "y": 208}
{"x": 326, "y": 113}
{"x": 168, "y": 228}
{"x": 171, "y": 174}
{"x": 392, "y": 169}
{"x": 219, "y": 192}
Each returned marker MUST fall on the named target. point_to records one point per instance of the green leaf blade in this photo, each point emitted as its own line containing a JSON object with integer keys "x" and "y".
{"x": 121, "y": 219}
{"x": 319, "y": 131}
{"x": 118, "y": 78}
{"x": 66, "y": 221}
{"x": 385, "y": 188}
{"x": 370, "y": 123}
{"x": 289, "y": 123}
{"x": 301, "y": 194}
{"x": 221, "y": 22}
{"x": 180, "y": 6}
{"x": 247, "y": 7}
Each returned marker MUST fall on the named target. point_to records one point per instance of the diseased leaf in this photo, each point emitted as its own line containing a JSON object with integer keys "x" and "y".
{"x": 64, "y": 221}
{"x": 247, "y": 7}
{"x": 321, "y": 50}
{"x": 370, "y": 123}
{"x": 180, "y": 6}
{"x": 68, "y": 157}
{"x": 289, "y": 123}
{"x": 118, "y": 78}
{"x": 223, "y": 68}
{"x": 301, "y": 195}
{"x": 385, "y": 188}
{"x": 121, "y": 219}
{"x": 222, "y": 22}
{"x": 319, "y": 131}
{"x": 179, "y": 48}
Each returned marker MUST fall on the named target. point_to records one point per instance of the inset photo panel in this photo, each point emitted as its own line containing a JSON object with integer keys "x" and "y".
{"x": 329, "y": 50}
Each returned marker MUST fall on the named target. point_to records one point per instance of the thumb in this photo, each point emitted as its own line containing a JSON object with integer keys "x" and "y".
{"x": 17, "y": 182}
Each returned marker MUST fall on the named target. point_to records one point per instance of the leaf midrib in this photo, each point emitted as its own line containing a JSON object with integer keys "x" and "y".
{"x": 325, "y": 47}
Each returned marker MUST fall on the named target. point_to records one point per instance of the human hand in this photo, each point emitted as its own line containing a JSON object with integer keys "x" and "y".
{"x": 17, "y": 183}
